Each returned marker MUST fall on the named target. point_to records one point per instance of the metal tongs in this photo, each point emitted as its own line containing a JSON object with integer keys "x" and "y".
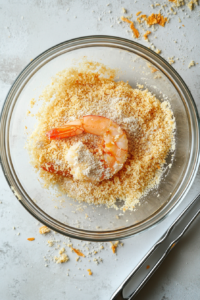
{"x": 135, "y": 281}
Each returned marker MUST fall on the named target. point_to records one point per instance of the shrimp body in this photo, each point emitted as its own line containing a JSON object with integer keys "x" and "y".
{"x": 114, "y": 141}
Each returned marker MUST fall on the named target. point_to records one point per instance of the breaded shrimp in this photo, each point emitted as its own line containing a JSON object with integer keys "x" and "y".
{"x": 114, "y": 141}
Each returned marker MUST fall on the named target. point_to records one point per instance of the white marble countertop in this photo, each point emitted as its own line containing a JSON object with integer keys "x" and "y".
{"x": 27, "y": 28}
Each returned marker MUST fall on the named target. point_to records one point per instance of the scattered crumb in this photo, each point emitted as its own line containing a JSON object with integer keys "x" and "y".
{"x": 89, "y": 272}
{"x": 114, "y": 246}
{"x": 171, "y": 60}
{"x": 158, "y": 51}
{"x": 146, "y": 34}
{"x": 44, "y": 229}
{"x": 138, "y": 13}
{"x": 191, "y": 5}
{"x": 32, "y": 102}
{"x": 124, "y": 10}
{"x": 62, "y": 250}
{"x": 50, "y": 243}
{"x": 140, "y": 86}
{"x": 61, "y": 259}
{"x": 132, "y": 27}
{"x": 153, "y": 70}
{"x": 191, "y": 64}
{"x": 31, "y": 239}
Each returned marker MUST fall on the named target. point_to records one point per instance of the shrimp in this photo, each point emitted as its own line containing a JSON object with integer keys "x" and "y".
{"x": 114, "y": 144}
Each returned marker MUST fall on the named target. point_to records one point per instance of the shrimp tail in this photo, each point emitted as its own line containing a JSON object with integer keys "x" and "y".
{"x": 64, "y": 132}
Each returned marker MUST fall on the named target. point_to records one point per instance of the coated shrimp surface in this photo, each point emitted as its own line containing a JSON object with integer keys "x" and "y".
{"x": 114, "y": 145}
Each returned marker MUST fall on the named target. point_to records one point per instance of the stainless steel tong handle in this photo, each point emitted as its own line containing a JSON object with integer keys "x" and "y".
{"x": 153, "y": 259}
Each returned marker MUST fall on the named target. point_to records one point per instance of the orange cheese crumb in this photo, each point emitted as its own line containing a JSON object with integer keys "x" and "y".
{"x": 79, "y": 253}
{"x": 31, "y": 239}
{"x": 156, "y": 19}
{"x": 147, "y": 267}
{"x": 146, "y": 35}
{"x": 89, "y": 272}
{"x": 141, "y": 17}
{"x": 114, "y": 246}
{"x": 132, "y": 27}
{"x": 183, "y": 25}
{"x": 138, "y": 13}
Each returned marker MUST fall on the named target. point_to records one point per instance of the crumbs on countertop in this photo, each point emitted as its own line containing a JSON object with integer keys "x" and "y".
{"x": 61, "y": 259}
{"x": 132, "y": 27}
{"x": 89, "y": 272}
{"x": 114, "y": 246}
{"x": 44, "y": 229}
{"x": 191, "y": 64}
{"x": 146, "y": 34}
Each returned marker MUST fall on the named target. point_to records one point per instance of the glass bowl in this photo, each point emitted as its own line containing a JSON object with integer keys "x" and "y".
{"x": 62, "y": 214}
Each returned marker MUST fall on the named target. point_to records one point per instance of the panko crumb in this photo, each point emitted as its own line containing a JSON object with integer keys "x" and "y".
{"x": 32, "y": 102}
{"x": 61, "y": 259}
{"x": 78, "y": 252}
{"x": 124, "y": 10}
{"x": 171, "y": 60}
{"x": 191, "y": 64}
{"x": 62, "y": 250}
{"x": 50, "y": 243}
{"x": 140, "y": 86}
{"x": 44, "y": 229}
{"x": 158, "y": 51}
{"x": 190, "y": 5}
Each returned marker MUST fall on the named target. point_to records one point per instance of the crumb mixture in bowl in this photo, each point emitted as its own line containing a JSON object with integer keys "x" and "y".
{"x": 88, "y": 90}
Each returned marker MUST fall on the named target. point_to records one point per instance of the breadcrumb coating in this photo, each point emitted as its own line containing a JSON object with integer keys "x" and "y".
{"x": 91, "y": 89}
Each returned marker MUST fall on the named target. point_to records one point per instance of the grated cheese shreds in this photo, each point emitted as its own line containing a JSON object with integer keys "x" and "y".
{"x": 132, "y": 27}
{"x": 153, "y": 19}
{"x": 91, "y": 90}
{"x": 138, "y": 13}
{"x": 146, "y": 34}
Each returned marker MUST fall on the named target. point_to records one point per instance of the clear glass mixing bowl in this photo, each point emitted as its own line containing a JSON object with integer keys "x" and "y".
{"x": 135, "y": 63}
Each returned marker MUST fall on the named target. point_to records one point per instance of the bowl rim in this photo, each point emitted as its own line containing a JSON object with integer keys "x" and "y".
{"x": 73, "y": 232}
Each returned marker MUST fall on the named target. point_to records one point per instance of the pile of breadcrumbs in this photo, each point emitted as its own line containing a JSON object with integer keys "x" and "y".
{"x": 91, "y": 89}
